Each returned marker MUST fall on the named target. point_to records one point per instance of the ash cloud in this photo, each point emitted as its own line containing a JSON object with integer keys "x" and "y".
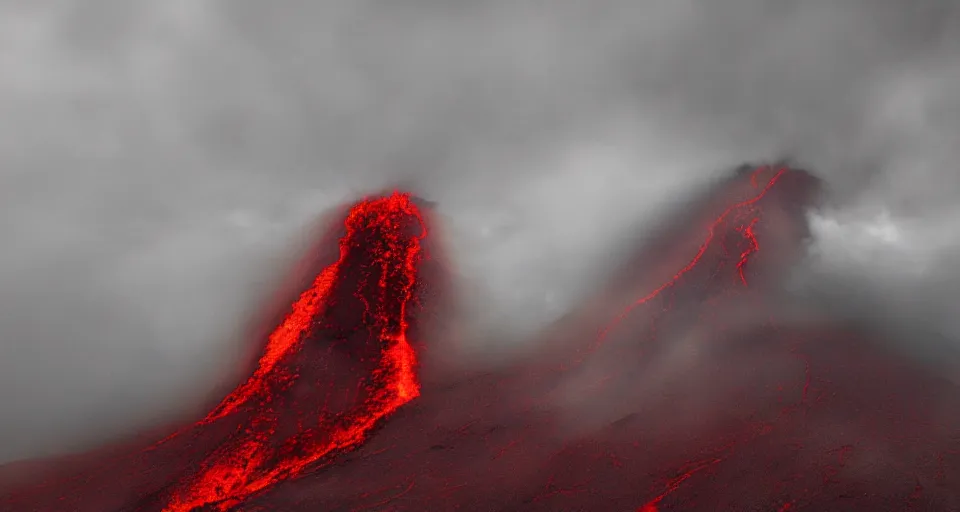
{"x": 161, "y": 163}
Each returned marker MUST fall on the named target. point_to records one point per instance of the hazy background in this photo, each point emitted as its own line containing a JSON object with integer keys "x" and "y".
{"x": 158, "y": 160}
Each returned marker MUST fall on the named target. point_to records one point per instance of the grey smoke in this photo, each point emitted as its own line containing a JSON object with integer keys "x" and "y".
{"x": 159, "y": 162}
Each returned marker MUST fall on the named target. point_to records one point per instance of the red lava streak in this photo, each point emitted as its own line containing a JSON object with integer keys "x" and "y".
{"x": 738, "y": 212}
{"x": 257, "y": 457}
{"x": 675, "y": 482}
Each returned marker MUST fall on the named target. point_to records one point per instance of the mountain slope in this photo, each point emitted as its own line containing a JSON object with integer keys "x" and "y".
{"x": 689, "y": 381}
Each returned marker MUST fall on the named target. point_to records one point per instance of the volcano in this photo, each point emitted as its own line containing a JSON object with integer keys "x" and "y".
{"x": 690, "y": 380}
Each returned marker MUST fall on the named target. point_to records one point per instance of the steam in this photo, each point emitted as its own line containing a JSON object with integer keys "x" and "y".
{"x": 160, "y": 160}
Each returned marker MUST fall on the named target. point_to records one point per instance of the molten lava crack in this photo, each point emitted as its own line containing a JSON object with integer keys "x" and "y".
{"x": 385, "y": 275}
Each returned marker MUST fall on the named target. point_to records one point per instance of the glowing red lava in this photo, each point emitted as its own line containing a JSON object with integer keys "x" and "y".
{"x": 256, "y": 458}
{"x": 744, "y": 212}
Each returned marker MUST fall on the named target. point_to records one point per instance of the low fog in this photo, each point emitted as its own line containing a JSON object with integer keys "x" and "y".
{"x": 161, "y": 162}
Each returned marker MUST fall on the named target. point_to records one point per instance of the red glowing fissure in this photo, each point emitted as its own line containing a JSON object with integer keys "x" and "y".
{"x": 253, "y": 461}
{"x": 674, "y": 483}
{"x": 740, "y": 209}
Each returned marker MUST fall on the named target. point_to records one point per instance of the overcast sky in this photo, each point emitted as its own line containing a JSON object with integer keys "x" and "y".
{"x": 159, "y": 161}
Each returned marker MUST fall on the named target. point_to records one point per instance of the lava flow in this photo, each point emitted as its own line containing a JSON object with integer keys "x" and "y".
{"x": 692, "y": 380}
{"x": 363, "y": 301}
{"x": 744, "y": 214}
{"x": 378, "y": 260}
